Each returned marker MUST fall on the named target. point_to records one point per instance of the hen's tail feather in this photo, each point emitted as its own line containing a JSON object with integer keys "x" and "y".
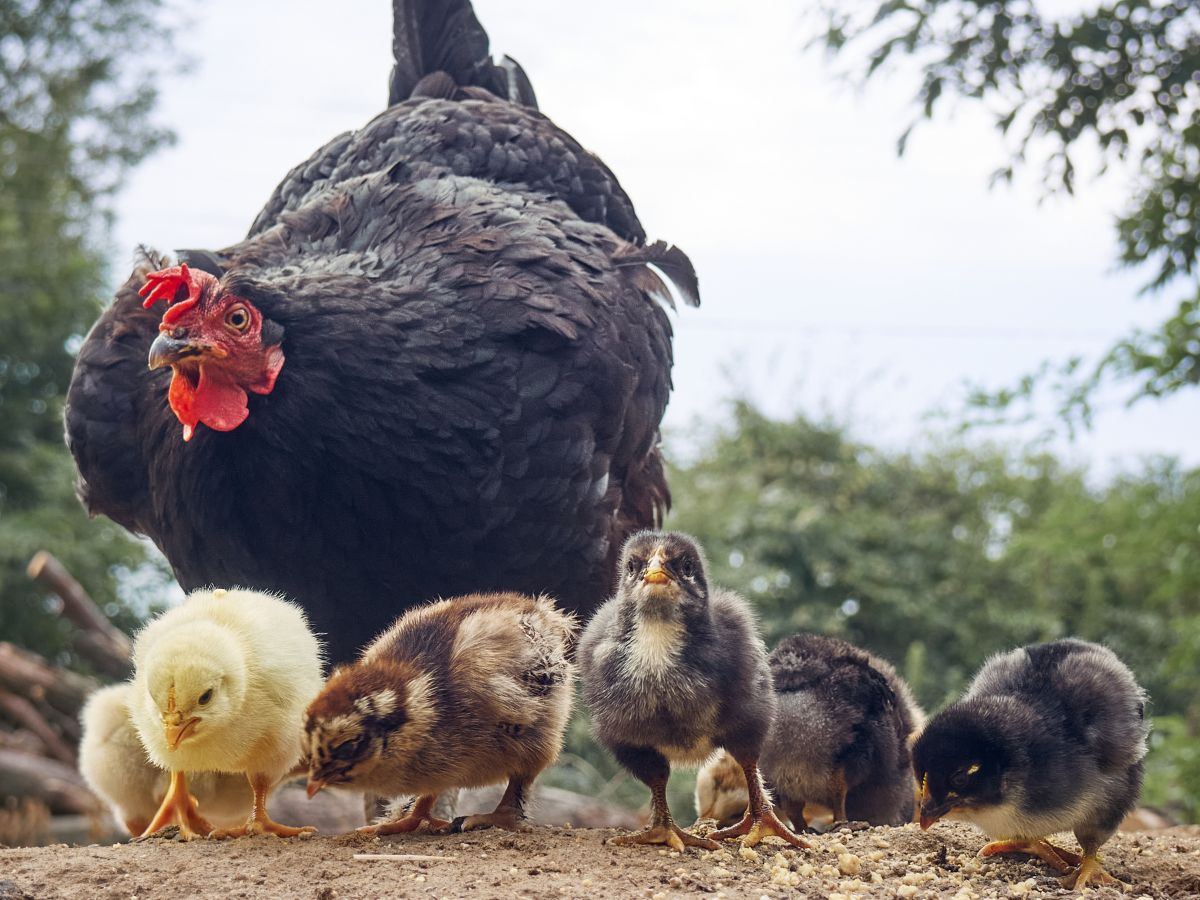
{"x": 430, "y": 36}
{"x": 669, "y": 260}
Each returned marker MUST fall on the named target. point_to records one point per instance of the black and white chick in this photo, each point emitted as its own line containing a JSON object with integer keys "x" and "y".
{"x": 1048, "y": 738}
{"x": 673, "y": 670}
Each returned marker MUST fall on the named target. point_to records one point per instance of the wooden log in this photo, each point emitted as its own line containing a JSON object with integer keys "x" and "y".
{"x": 26, "y": 674}
{"x": 21, "y": 712}
{"x": 100, "y": 642}
{"x": 56, "y": 784}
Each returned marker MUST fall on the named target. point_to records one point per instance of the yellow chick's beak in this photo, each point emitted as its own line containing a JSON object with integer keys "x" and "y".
{"x": 177, "y": 731}
{"x": 174, "y": 727}
{"x": 315, "y": 785}
{"x": 654, "y": 572}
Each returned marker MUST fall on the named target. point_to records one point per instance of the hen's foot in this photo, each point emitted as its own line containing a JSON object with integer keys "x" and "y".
{"x": 669, "y": 834}
{"x": 752, "y": 829}
{"x": 1090, "y": 872}
{"x": 1062, "y": 861}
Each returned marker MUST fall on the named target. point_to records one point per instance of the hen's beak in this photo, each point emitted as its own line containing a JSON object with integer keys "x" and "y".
{"x": 314, "y": 786}
{"x": 655, "y": 572}
{"x": 169, "y": 351}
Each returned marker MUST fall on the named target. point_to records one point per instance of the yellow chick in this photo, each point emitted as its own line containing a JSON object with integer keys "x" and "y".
{"x": 221, "y": 684}
{"x": 113, "y": 762}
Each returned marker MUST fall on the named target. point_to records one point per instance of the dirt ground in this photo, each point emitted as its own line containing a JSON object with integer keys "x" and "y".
{"x": 546, "y": 862}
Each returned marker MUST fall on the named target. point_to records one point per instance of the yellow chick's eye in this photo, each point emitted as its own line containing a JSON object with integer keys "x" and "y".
{"x": 206, "y": 697}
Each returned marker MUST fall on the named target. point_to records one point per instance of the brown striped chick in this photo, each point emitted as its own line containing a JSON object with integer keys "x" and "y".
{"x": 221, "y": 684}
{"x": 113, "y": 762}
{"x": 460, "y": 693}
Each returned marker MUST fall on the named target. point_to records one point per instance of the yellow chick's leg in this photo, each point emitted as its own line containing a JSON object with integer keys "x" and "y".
{"x": 760, "y": 819}
{"x": 509, "y": 813}
{"x": 1062, "y": 861}
{"x": 416, "y": 817}
{"x": 259, "y": 822}
{"x": 662, "y": 828}
{"x": 1090, "y": 872}
{"x": 178, "y": 807}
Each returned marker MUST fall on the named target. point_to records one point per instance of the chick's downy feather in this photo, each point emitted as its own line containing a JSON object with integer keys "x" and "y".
{"x": 114, "y": 763}
{"x": 464, "y": 692}
{"x": 262, "y": 664}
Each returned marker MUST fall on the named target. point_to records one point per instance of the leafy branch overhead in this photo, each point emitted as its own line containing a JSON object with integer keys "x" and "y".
{"x": 1119, "y": 83}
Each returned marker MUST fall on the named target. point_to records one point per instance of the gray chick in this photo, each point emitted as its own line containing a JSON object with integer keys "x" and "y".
{"x": 673, "y": 670}
{"x": 1048, "y": 738}
{"x": 841, "y": 733}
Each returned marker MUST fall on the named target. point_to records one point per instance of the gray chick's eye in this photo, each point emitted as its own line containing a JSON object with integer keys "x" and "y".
{"x": 206, "y": 697}
{"x": 632, "y": 568}
{"x": 687, "y": 568}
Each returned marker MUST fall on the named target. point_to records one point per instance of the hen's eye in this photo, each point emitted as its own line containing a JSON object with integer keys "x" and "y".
{"x": 237, "y": 318}
{"x": 206, "y": 697}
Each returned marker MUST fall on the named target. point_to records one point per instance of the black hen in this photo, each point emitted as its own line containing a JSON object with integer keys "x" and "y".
{"x": 437, "y": 364}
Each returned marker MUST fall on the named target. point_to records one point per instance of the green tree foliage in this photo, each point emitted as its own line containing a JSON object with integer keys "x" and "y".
{"x": 936, "y": 560}
{"x": 76, "y": 93}
{"x": 1120, "y": 82}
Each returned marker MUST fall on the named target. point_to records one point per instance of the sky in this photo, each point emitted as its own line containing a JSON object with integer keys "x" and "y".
{"x": 837, "y": 279}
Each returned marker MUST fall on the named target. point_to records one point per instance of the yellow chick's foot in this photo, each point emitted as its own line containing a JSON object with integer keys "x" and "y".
{"x": 1090, "y": 872}
{"x": 259, "y": 822}
{"x": 178, "y": 807}
{"x": 416, "y": 817}
{"x": 755, "y": 829}
{"x": 667, "y": 833}
{"x": 1062, "y": 861}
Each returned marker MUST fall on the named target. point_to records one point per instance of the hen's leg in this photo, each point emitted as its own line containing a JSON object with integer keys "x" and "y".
{"x": 760, "y": 819}
{"x": 259, "y": 822}
{"x": 178, "y": 807}
{"x": 416, "y": 816}
{"x": 652, "y": 768}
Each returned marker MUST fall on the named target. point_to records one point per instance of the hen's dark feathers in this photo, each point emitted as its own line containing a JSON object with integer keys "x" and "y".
{"x": 443, "y": 36}
{"x": 475, "y": 373}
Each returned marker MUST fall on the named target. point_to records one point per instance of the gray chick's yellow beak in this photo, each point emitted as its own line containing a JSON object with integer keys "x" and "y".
{"x": 655, "y": 571}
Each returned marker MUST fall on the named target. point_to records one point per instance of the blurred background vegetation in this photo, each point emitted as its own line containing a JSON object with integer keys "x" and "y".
{"x": 933, "y": 556}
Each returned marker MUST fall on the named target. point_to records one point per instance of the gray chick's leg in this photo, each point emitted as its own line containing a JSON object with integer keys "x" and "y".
{"x": 509, "y": 813}
{"x": 653, "y": 770}
{"x": 760, "y": 819}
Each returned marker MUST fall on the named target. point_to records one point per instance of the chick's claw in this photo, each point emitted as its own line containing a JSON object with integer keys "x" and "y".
{"x": 668, "y": 834}
{"x": 509, "y": 820}
{"x": 753, "y": 829}
{"x": 1062, "y": 861}
{"x": 1090, "y": 872}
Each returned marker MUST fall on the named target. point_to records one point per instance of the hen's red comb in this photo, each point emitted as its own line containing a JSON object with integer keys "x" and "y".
{"x": 165, "y": 284}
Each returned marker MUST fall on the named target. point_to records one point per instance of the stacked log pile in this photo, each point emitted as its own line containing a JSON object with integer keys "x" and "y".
{"x": 42, "y": 795}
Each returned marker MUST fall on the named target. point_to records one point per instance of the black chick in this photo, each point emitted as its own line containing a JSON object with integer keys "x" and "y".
{"x": 841, "y": 732}
{"x": 672, "y": 671}
{"x": 1048, "y": 738}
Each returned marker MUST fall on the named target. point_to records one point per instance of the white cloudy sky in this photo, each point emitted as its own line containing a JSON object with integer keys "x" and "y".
{"x": 835, "y": 277}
